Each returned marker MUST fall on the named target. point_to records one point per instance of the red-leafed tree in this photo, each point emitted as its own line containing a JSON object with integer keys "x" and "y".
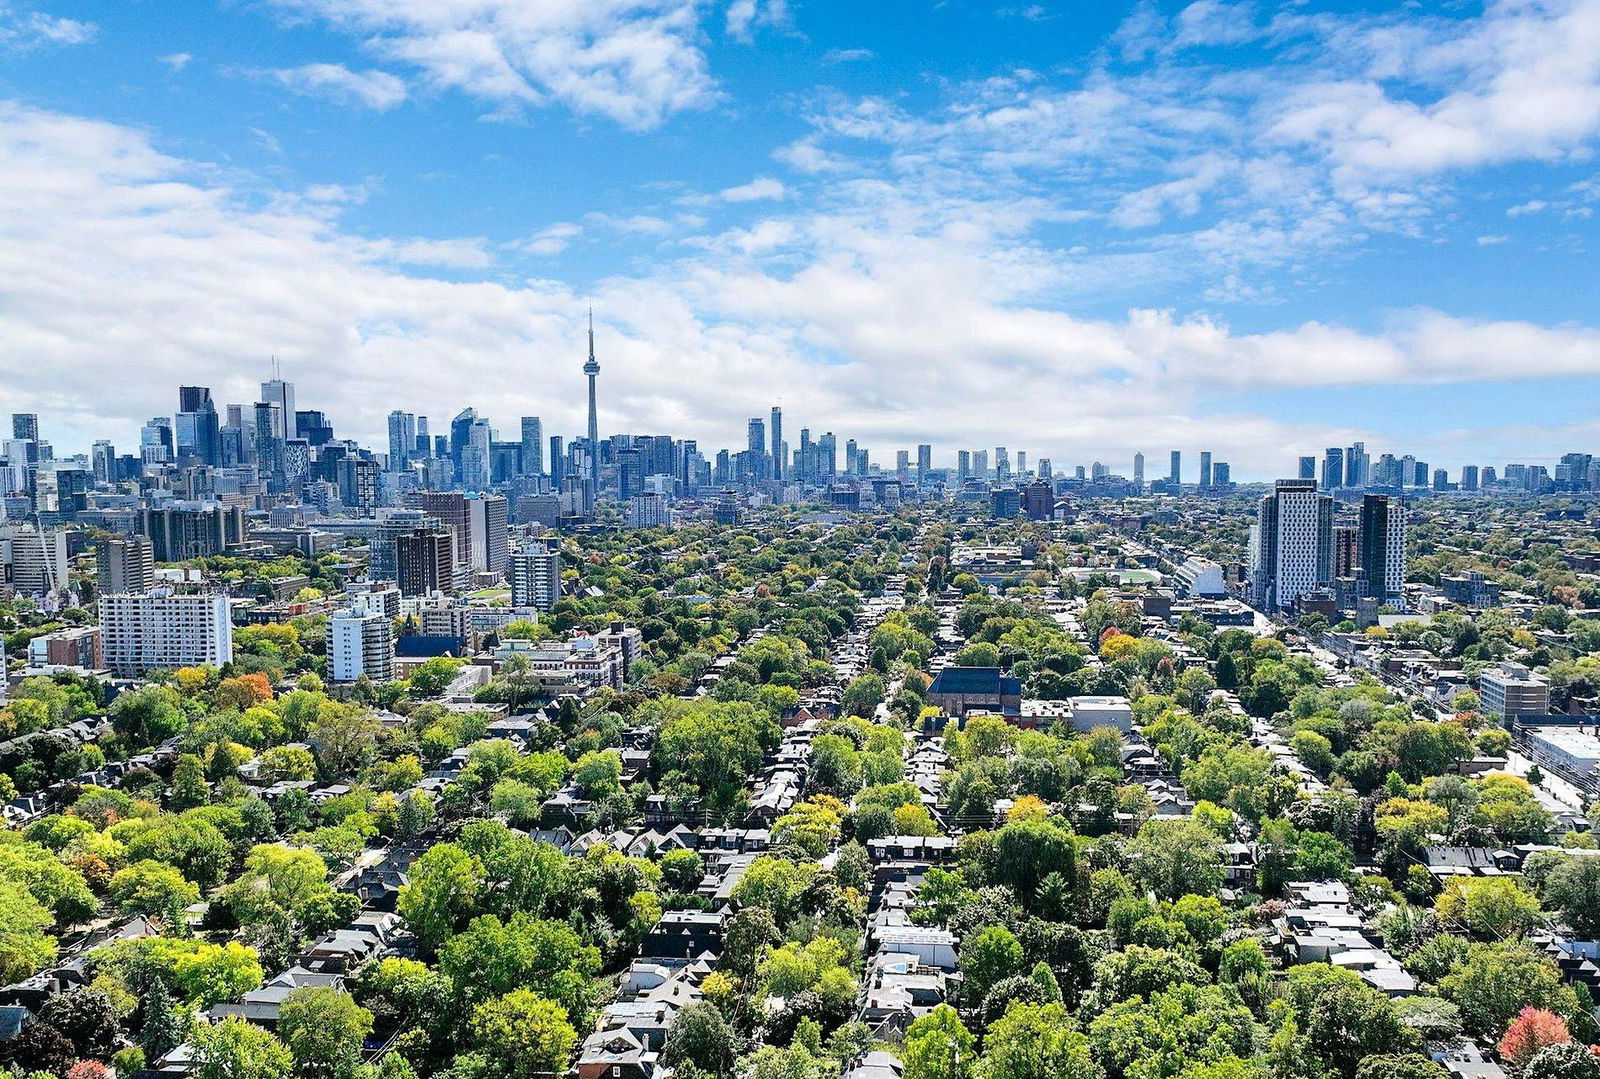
{"x": 1529, "y": 1032}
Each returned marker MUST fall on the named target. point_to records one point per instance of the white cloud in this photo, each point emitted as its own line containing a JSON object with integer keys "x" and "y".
{"x": 551, "y": 240}
{"x": 1522, "y": 209}
{"x": 639, "y": 224}
{"x": 177, "y": 61}
{"x": 847, "y": 56}
{"x": 761, "y": 188}
{"x": 634, "y": 61}
{"x": 745, "y": 15}
{"x": 22, "y": 29}
{"x": 374, "y": 89}
{"x": 1492, "y": 241}
{"x": 1520, "y": 82}
{"x": 874, "y": 314}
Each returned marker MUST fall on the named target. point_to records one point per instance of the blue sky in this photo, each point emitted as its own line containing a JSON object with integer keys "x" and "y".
{"x": 1080, "y": 229}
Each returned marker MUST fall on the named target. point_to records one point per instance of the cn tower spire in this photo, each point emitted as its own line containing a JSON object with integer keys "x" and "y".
{"x": 592, "y": 369}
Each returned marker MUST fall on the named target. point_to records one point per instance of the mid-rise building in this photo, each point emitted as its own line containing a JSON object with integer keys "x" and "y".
{"x": 1509, "y": 690}
{"x": 1039, "y": 501}
{"x": 76, "y": 647}
{"x": 425, "y": 561}
{"x": 34, "y": 561}
{"x": 649, "y": 510}
{"x": 360, "y": 643}
{"x": 125, "y": 564}
{"x": 180, "y": 531}
{"x": 162, "y": 630}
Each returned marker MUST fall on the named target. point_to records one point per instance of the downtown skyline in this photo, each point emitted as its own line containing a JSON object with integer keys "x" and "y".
{"x": 1121, "y": 230}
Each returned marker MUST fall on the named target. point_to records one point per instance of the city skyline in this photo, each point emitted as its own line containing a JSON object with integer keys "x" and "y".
{"x": 1299, "y": 224}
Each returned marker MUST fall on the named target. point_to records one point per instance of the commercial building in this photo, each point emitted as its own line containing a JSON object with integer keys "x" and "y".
{"x": 161, "y": 630}
{"x": 360, "y": 643}
{"x": 1573, "y": 749}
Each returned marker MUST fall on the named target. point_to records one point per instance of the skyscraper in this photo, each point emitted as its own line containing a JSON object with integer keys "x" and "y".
{"x": 1333, "y": 469}
{"x": 25, "y": 425}
{"x": 756, "y": 442}
{"x": 1138, "y": 470}
{"x": 1308, "y": 468}
{"x": 1205, "y": 468}
{"x": 592, "y": 370}
{"x": 777, "y": 443}
{"x": 460, "y": 436}
{"x": 1175, "y": 472}
{"x": 1357, "y": 467}
{"x": 1383, "y": 546}
{"x": 532, "y": 446}
{"x": 402, "y": 439}
{"x": 924, "y": 462}
{"x": 280, "y": 393}
{"x": 1291, "y": 544}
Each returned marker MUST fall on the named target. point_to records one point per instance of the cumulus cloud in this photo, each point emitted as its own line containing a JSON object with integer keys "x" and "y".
{"x": 374, "y": 89}
{"x": 633, "y": 61}
{"x": 1520, "y": 82}
{"x": 873, "y": 320}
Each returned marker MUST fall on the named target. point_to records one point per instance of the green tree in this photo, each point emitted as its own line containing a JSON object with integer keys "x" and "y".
{"x": 1488, "y": 908}
{"x": 1027, "y": 851}
{"x": 445, "y": 885}
{"x": 701, "y": 1038}
{"x": 862, "y": 696}
{"x": 25, "y": 947}
{"x": 1498, "y": 980}
{"x": 986, "y": 958}
{"x": 236, "y": 1049}
{"x": 1175, "y": 858}
{"x": 1573, "y": 887}
{"x": 1036, "y": 1041}
{"x": 324, "y": 1029}
{"x": 939, "y": 1046}
{"x": 149, "y": 887}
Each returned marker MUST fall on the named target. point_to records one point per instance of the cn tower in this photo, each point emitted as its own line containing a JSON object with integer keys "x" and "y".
{"x": 592, "y": 369}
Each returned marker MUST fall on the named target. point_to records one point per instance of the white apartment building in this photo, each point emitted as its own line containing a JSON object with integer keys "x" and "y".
{"x": 1291, "y": 544}
{"x": 536, "y": 577}
{"x": 360, "y": 642}
{"x": 487, "y": 526}
{"x": 161, "y": 630}
{"x": 35, "y": 562}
